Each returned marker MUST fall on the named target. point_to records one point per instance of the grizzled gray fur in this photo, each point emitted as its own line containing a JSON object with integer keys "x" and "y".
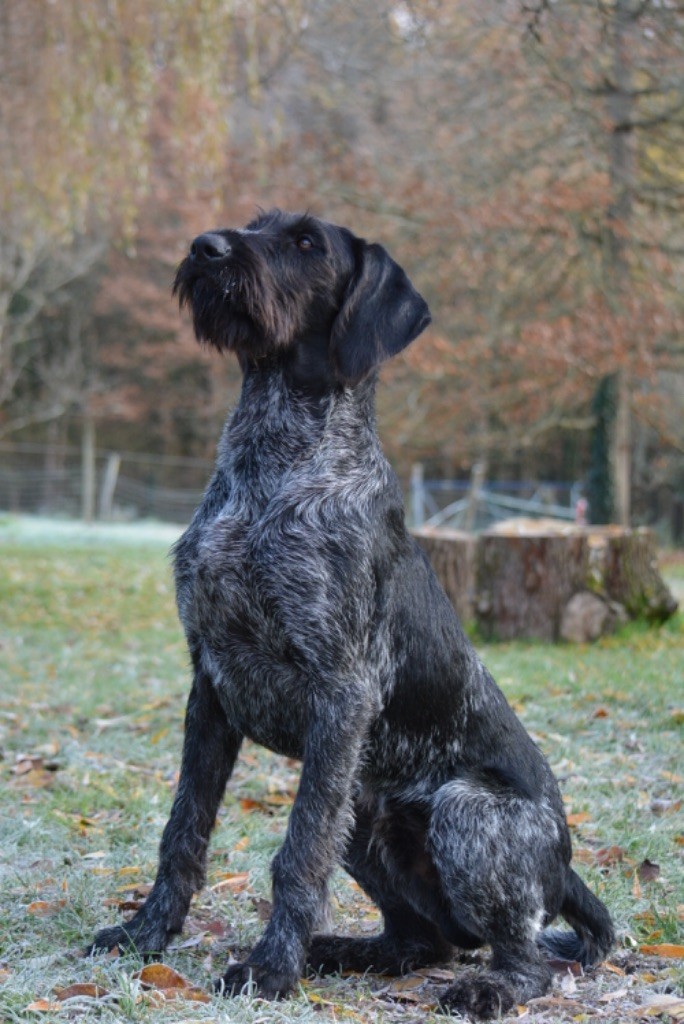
{"x": 317, "y": 628}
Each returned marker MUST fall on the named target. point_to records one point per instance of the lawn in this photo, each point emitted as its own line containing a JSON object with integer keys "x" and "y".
{"x": 93, "y": 678}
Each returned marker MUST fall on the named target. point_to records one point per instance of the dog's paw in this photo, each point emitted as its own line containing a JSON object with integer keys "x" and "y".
{"x": 255, "y": 980}
{"x": 478, "y": 994}
{"x": 146, "y": 938}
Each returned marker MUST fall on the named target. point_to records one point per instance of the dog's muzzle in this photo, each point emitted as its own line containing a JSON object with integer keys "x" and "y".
{"x": 209, "y": 249}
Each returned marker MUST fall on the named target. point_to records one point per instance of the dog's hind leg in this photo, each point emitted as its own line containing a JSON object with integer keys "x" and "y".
{"x": 209, "y": 752}
{"x": 502, "y": 860}
{"x": 410, "y": 938}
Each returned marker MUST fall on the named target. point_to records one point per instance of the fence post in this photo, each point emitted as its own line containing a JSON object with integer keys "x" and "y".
{"x": 111, "y": 475}
{"x": 477, "y": 479}
{"x": 88, "y": 470}
{"x": 417, "y": 494}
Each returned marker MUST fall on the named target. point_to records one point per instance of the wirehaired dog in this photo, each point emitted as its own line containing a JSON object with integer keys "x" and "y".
{"x": 317, "y": 628}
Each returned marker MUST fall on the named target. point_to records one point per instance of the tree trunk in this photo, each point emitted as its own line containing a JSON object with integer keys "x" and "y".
{"x": 622, "y": 175}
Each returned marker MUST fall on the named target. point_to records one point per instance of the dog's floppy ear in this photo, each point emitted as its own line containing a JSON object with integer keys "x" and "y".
{"x": 380, "y": 315}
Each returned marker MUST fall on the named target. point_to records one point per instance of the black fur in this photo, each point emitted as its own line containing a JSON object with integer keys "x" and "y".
{"x": 317, "y": 628}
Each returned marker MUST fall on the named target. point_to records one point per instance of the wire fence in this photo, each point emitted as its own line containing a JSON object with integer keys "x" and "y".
{"x": 50, "y": 480}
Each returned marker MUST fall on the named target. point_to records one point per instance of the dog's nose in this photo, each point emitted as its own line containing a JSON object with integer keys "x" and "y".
{"x": 209, "y": 246}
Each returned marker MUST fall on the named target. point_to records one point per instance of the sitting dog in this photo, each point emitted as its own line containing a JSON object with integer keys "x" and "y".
{"x": 317, "y": 628}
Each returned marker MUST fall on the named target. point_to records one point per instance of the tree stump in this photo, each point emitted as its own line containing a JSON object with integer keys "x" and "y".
{"x": 523, "y": 582}
{"x": 628, "y": 568}
{"x": 452, "y": 556}
{"x": 549, "y": 580}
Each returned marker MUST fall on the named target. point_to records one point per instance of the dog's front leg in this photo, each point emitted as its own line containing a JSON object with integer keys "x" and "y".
{"x": 316, "y": 832}
{"x": 210, "y": 749}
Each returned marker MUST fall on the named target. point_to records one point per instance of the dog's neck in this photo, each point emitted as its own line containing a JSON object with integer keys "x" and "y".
{"x": 277, "y": 423}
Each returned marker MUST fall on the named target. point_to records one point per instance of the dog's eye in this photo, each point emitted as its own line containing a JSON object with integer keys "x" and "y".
{"x": 305, "y": 242}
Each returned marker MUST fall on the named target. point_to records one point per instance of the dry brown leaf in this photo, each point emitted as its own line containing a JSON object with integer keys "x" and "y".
{"x": 666, "y": 949}
{"x": 43, "y": 1006}
{"x": 160, "y": 976}
{"x": 85, "y": 990}
{"x": 609, "y": 997}
{"x": 608, "y": 856}
{"x": 613, "y": 969}
{"x": 405, "y": 990}
{"x": 42, "y": 908}
{"x": 236, "y": 882}
{"x": 136, "y": 888}
{"x": 578, "y": 819}
{"x": 436, "y": 974}
{"x": 160, "y": 996}
{"x": 648, "y": 871}
{"x": 565, "y": 966}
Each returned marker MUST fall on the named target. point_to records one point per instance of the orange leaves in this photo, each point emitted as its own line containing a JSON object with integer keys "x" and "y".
{"x": 43, "y": 908}
{"x": 164, "y": 984}
{"x": 158, "y": 983}
{"x": 666, "y": 949}
{"x": 579, "y": 818}
{"x": 232, "y": 882}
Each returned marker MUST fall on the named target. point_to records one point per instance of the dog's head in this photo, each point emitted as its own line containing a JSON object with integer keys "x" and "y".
{"x": 296, "y": 284}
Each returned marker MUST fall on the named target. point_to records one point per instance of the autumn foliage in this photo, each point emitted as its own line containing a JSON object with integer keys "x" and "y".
{"x": 523, "y": 161}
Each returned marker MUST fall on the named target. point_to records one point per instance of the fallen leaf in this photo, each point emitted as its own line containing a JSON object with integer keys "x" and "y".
{"x": 161, "y": 977}
{"x": 578, "y": 819}
{"x": 248, "y": 805}
{"x": 565, "y": 966}
{"x": 408, "y": 984}
{"x": 648, "y": 871}
{"x": 601, "y": 713}
{"x": 43, "y": 1006}
{"x": 436, "y": 974}
{"x": 608, "y": 856}
{"x": 609, "y": 997}
{"x": 41, "y": 908}
{"x": 659, "y": 806}
{"x": 85, "y": 990}
{"x": 667, "y": 949}
{"x": 136, "y": 888}
{"x": 237, "y": 882}
{"x": 613, "y": 969}
{"x": 216, "y": 928}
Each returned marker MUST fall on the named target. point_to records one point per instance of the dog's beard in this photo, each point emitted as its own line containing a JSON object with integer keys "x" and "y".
{"x": 221, "y": 314}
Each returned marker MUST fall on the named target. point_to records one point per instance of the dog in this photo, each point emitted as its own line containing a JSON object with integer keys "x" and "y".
{"x": 317, "y": 628}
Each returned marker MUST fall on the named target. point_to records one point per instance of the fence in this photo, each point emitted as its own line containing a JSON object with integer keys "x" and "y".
{"x": 470, "y": 505}
{"x": 54, "y": 480}
{"x": 50, "y": 480}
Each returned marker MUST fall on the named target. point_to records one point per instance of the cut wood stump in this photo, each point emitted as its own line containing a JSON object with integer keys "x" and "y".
{"x": 524, "y": 581}
{"x": 549, "y": 580}
{"x": 452, "y": 556}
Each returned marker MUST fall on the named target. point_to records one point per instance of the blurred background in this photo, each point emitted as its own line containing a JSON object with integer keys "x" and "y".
{"x": 523, "y": 160}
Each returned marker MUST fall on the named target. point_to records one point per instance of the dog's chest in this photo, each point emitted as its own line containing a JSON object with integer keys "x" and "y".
{"x": 253, "y": 589}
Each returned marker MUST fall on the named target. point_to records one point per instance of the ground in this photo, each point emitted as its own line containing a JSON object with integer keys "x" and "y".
{"x": 93, "y": 678}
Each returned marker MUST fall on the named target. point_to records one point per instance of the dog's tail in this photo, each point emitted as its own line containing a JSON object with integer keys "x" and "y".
{"x": 592, "y": 934}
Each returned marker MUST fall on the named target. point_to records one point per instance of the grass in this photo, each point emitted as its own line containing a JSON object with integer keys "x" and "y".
{"x": 93, "y": 679}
